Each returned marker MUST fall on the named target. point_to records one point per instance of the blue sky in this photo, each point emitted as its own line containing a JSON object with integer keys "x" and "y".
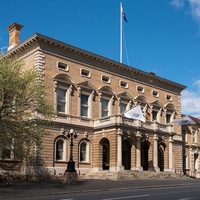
{"x": 161, "y": 36}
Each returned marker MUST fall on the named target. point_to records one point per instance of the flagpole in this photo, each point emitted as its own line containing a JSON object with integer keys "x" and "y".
{"x": 121, "y": 32}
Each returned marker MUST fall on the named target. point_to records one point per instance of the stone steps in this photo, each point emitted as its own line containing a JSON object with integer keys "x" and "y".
{"x": 129, "y": 174}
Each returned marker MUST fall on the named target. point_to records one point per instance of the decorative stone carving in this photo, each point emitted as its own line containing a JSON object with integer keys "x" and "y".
{"x": 85, "y": 134}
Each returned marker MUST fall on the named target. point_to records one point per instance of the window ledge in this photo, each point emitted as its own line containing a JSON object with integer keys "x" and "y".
{"x": 84, "y": 163}
{"x": 60, "y": 161}
{"x": 61, "y": 114}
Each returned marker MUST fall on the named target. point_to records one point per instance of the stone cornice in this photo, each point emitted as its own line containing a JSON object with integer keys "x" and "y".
{"x": 54, "y": 46}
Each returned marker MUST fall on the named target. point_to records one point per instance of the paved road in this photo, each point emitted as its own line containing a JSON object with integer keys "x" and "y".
{"x": 50, "y": 188}
{"x": 163, "y": 193}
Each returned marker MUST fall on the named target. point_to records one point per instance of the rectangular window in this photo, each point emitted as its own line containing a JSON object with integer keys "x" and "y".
{"x": 123, "y": 84}
{"x": 83, "y": 152}
{"x": 104, "y": 107}
{"x": 154, "y": 115}
{"x": 122, "y": 107}
{"x": 84, "y": 105}
{"x": 63, "y": 66}
{"x": 105, "y": 79}
{"x": 61, "y": 100}
{"x": 168, "y": 118}
{"x": 59, "y": 150}
{"x": 168, "y": 97}
{"x": 140, "y": 89}
{"x": 155, "y": 94}
{"x": 85, "y": 73}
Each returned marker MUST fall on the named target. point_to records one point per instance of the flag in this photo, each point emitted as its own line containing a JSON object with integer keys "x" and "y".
{"x": 184, "y": 121}
{"x": 135, "y": 113}
{"x": 124, "y": 16}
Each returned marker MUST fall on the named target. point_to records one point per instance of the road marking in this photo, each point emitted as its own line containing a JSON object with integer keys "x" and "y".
{"x": 128, "y": 197}
{"x": 185, "y": 199}
{"x": 67, "y": 199}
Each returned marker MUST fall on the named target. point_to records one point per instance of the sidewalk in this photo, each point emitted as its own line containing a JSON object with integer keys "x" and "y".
{"x": 25, "y": 189}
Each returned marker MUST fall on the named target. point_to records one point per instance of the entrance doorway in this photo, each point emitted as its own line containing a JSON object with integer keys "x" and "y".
{"x": 105, "y": 154}
{"x": 161, "y": 151}
{"x": 145, "y": 155}
{"x": 126, "y": 155}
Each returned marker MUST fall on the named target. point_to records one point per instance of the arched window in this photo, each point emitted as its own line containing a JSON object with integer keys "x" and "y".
{"x": 86, "y": 95}
{"x": 157, "y": 110}
{"x": 84, "y": 151}
{"x": 107, "y": 98}
{"x": 125, "y": 102}
{"x": 169, "y": 113}
{"x": 63, "y": 88}
{"x": 60, "y": 150}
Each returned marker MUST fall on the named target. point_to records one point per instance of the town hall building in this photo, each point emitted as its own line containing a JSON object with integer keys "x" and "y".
{"x": 90, "y": 93}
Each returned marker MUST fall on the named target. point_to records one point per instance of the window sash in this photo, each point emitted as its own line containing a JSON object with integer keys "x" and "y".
{"x": 154, "y": 115}
{"x": 122, "y": 107}
{"x": 61, "y": 100}
{"x": 84, "y": 105}
{"x": 83, "y": 152}
{"x": 104, "y": 108}
{"x": 168, "y": 117}
{"x": 59, "y": 150}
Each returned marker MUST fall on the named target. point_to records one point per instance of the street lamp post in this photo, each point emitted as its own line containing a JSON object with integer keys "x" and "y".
{"x": 70, "y": 174}
{"x": 71, "y": 164}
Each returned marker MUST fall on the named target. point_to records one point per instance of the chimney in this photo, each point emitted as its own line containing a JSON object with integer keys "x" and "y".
{"x": 14, "y": 34}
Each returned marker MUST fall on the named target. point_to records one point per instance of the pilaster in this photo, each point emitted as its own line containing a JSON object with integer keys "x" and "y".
{"x": 119, "y": 150}
{"x": 138, "y": 151}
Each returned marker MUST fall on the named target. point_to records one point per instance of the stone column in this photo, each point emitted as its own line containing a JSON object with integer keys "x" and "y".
{"x": 155, "y": 153}
{"x": 138, "y": 152}
{"x": 79, "y": 101}
{"x": 119, "y": 150}
{"x": 171, "y": 154}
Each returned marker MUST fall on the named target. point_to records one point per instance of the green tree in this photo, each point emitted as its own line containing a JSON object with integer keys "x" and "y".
{"x": 25, "y": 111}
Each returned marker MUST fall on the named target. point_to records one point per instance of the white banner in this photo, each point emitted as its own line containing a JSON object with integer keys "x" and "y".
{"x": 135, "y": 113}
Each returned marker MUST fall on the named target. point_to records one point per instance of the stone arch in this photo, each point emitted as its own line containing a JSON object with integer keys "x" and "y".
{"x": 141, "y": 100}
{"x": 106, "y": 89}
{"x": 63, "y": 77}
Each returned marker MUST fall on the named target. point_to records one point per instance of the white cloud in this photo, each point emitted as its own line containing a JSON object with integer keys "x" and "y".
{"x": 195, "y": 9}
{"x": 177, "y": 3}
{"x": 197, "y": 83}
{"x": 190, "y": 101}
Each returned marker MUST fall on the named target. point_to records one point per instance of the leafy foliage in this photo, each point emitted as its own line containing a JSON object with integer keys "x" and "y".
{"x": 24, "y": 109}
